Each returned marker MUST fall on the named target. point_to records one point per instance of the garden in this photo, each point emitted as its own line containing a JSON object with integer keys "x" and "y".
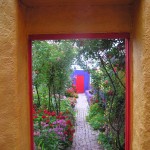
{"x": 54, "y": 96}
{"x": 105, "y": 60}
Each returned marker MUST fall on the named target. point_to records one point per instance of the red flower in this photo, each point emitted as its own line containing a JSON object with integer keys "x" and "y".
{"x": 34, "y": 117}
{"x": 51, "y": 125}
{"x": 49, "y": 113}
{"x": 65, "y": 132}
{"x": 58, "y": 117}
{"x": 45, "y": 111}
{"x": 70, "y": 139}
{"x": 47, "y": 121}
{"x": 73, "y": 130}
{"x": 62, "y": 117}
{"x": 68, "y": 122}
{"x": 96, "y": 101}
{"x": 43, "y": 117}
{"x": 33, "y": 110}
{"x": 53, "y": 113}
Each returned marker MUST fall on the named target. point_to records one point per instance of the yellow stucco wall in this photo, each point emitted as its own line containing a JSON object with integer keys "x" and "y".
{"x": 141, "y": 76}
{"x": 17, "y": 22}
{"x": 8, "y": 76}
{"x": 14, "y": 101}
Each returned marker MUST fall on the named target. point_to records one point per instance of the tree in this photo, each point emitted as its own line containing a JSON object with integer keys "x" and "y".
{"x": 52, "y": 62}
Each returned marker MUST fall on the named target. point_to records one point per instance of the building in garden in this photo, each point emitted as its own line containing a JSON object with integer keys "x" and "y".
{"x": 81, "y": 80}
{"x": 24, "y": 20}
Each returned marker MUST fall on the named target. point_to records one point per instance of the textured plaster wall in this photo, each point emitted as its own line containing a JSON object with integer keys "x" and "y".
{"x": 8, "y": 76}
{"x": 22, "y": 79}
{"x": 141, "y": 76}
{"x": 78, "y": 19}
{"x": 14, "y": 108}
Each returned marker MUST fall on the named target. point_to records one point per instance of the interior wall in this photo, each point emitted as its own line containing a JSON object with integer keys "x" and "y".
{"x": 141, "y": 76}
{"x": 14, "y": 108}
{"x": 79, "y": 19}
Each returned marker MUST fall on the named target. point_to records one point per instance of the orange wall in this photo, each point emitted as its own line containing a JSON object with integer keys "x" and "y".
{"x": 141, "y": 76}
{"x": 22, "y": 80}
{"x": 78, "y": 19}
{"x": 14, "y": 101}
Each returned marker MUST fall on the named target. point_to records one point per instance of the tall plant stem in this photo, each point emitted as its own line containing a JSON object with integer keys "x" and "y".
{"x": 50, "y": 101}
{"x": 37, "y": 91}
{"x": 54, "y": 93}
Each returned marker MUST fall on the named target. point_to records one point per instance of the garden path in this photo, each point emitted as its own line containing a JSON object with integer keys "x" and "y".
{"x": 85, "y": 138}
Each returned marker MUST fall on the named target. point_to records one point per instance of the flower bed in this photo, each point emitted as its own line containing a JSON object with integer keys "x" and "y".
{"x": 71, "y": 95}
{"x": 53, "y": 131}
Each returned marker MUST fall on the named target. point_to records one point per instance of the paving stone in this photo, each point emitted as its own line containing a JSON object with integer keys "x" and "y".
{"x": 85, "y": 138}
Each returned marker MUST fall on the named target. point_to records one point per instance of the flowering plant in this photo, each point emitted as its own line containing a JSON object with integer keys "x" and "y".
{"x": 52, "y": 131}
{"x": 71, "y": 92}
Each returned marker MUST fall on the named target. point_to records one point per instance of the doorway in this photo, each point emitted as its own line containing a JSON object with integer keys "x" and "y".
{"x": 80, "y": 84}
{"x": 91, "y": 36}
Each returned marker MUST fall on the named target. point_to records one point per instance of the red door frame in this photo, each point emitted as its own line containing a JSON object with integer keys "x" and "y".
{"x": 126, "y": 36}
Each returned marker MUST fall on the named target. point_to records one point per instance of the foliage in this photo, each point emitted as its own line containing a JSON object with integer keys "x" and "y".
{"x": 51, "y": 71}
{"x": 95, "y": 117}
{"x": 105, "y": 141}
{"x": 105, "y": 60}
{"x": 53, "y": 114}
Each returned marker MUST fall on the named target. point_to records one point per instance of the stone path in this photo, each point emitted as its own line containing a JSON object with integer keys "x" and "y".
{"x": 85, "y": 137}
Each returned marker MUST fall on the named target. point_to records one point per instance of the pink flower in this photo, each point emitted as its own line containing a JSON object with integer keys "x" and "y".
{"x": 43, "y": 123}
{"x": 115, "y": 69}
{"x": 36, "y": 133}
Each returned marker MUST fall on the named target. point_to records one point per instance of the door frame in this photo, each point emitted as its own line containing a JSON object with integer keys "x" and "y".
{"x": 126, "y": 36}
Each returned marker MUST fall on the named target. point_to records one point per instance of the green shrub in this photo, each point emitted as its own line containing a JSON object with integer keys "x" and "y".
{"x": 96, "y": 116}
{"x": 105, "y": 141}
